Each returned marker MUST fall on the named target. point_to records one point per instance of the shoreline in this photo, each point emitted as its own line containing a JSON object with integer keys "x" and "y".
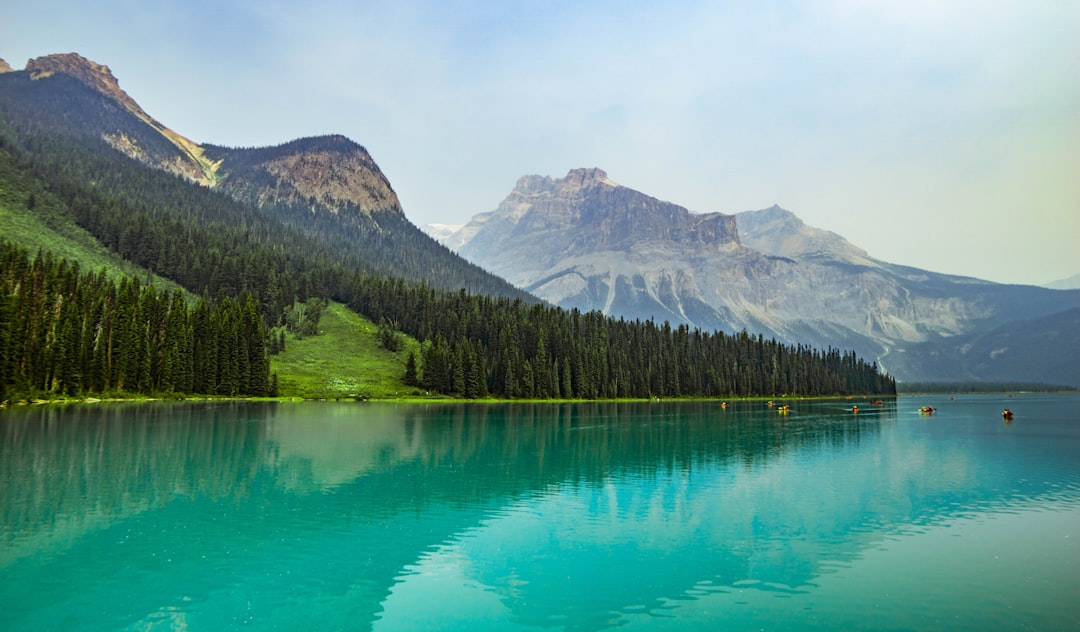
{"x": 432, "y": 400}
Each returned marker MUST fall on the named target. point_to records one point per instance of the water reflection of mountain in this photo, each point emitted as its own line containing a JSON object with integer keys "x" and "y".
{"x": 609, "y": 506}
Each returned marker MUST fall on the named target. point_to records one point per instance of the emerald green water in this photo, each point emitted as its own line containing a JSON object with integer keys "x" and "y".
{"x": 672, "y": 516}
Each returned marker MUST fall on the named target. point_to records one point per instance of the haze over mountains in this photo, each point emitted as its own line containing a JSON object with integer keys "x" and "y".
{"x": 585, "y": 242}
{"x": 1070, "y": 283}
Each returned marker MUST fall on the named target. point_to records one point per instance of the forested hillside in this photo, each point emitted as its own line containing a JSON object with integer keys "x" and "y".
{"x": 58, "y": 114}
{"x": 247, "y": 268}
{"x": 69, "y": 332}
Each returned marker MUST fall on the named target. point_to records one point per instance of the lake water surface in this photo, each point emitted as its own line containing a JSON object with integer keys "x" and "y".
{"x": 658, "y": 516}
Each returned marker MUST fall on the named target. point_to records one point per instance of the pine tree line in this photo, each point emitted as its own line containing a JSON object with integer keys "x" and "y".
{"x": 479, "y": 345}
{"x": 65, "y": 332}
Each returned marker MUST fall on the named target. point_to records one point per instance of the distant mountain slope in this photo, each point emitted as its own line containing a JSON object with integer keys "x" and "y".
{"x": 585, "y": 242}
{"x": 1070, "y": 283}
{"x": 328, "y": 187}
{"x": 777, "y": 232}
{"x": 1039, "y": 350}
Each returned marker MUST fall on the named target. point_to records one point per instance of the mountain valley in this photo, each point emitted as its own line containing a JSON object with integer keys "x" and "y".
{"x": 251, "y": 243}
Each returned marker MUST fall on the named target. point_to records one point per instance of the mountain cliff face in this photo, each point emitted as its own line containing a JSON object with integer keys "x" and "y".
{"x": 585, "y": 242}
{"x": 328, "y": 174}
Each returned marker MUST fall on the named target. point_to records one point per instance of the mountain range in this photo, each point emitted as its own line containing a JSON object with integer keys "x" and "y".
{"x": 585, "y": 242}
{"x": 581, "y": 241}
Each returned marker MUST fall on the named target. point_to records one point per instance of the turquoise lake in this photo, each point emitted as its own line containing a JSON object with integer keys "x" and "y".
{"x": 592, "y": 516}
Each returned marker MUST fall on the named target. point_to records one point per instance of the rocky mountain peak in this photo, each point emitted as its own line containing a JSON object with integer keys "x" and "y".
{"x": 586, "y": 177}
{"x": 323, "y": 173}
{"x": 778, "y": 232}
{"x": 586, "y": 220}
{"x": 608, "y": 215}
{"x": 94, "y": 75}
{"x": 4, "y": 67}
{"x": 186, "y": 159}
{"x": 330, "y": 173}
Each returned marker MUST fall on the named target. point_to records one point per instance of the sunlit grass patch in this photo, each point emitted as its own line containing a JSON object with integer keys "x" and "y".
{"x": 344, "y": 360}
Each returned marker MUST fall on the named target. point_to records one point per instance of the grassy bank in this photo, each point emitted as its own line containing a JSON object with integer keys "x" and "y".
{"x": 343, "y": 361}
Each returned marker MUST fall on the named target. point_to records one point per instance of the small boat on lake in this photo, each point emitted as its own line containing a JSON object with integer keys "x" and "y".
{"x": 927, "y": 410}
{"x": 1007, "y": 414}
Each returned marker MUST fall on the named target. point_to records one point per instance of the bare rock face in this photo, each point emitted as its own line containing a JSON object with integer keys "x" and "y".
{"x": 324, "y": 173}
{"x": 4, "y": 67}
{"x": 780, "y": 233}
{"x": 585, "y": 213}
{"x": 585, "y": 242}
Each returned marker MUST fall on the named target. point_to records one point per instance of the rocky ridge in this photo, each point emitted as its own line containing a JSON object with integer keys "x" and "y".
{"x": 584, "y": 242}
{"x": 586, "y": 212}
{"x": 191, "y": 162}
{"x": 322, "y": 174}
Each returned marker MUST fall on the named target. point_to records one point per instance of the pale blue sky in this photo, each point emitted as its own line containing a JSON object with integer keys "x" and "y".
{"x": 935, "y": 133}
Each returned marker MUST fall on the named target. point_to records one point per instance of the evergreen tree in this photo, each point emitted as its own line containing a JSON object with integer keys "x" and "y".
{"x": 6, "y": 369}
{"x": 411, "y": 378}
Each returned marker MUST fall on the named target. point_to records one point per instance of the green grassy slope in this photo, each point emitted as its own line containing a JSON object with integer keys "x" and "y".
{"x": 48, "y": 227}
{"x": 343, "y": 361}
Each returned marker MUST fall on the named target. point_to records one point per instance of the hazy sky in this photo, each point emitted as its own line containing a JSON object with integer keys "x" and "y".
{"x": 940, "y": 134}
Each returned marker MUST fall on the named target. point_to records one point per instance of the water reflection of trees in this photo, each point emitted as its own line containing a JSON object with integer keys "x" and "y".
{"x": 584, "y": 442}
{"x": 377, "y": 484}
{"x": 126, "y": 458}
{"x": 718, "y": 495}
{"x": 69, "y": 468}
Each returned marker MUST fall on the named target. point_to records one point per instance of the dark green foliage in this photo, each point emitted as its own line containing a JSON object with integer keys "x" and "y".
{"x": 388, "y": 337}
{"x": 7, "y": 318}
{"x": 63, "y": 332}
{"x": 302, "y": 318}
{"x": 479, "y": 345}
{"x": 411, "y": 376}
